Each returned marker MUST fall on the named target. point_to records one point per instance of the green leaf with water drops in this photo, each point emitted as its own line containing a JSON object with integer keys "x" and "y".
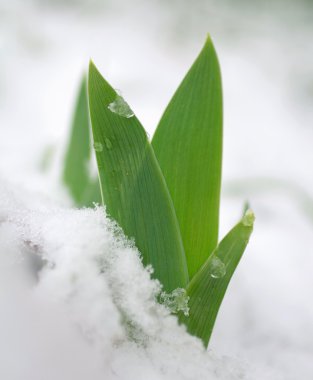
{"x": 207, "y": 289}
{"x": 188, "y": 146}
{"x": 132, "y": 185}
{"x": 84, "y": 189}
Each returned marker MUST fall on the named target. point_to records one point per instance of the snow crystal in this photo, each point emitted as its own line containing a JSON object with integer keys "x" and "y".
{"x": 176, "y": 301}
{"x": 248, "y": 218}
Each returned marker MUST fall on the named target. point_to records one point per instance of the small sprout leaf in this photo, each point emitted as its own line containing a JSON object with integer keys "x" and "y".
{"x": 207, "y": 289}
{"x": 84, "y": 189}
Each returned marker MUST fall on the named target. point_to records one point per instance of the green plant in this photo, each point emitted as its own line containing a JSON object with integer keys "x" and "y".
{"x": 164, "y": 194}
{"x": 76, "y": 174}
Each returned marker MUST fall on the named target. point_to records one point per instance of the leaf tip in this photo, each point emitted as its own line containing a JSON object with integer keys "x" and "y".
{"x": 209, "y": 50}
{"x": 208, "y": 39}
{"x": 93, "y": 70}
{"x": 92, "y": 66}
{"x": 208, "y": 42}
{"x": 246, "y": 207}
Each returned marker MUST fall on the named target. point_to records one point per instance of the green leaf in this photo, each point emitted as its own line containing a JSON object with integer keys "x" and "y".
{"x": 83, "y": 189}
{"x": 188, "y": 146}
{"x": 207, "y": 289}
{"x": 132, "y": 185}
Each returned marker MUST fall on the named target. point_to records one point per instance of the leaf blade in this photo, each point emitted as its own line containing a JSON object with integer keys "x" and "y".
{"x": 188, "y": 146}
{"x": 206, "y": 292}
{"x": 132, "y": 185}
{"x": 84, "y": 190}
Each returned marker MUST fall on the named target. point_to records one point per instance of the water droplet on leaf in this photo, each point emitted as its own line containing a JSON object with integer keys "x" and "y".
{"x": 120, "y": 107}
{"x": 217, "y": 268}
{"x": 98, "y": 147}
{"x": 108, "y": 143}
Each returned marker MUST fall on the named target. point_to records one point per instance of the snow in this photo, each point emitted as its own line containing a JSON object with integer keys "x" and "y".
{"x": 76, "y": 302}
{"x": 61, "y": 316}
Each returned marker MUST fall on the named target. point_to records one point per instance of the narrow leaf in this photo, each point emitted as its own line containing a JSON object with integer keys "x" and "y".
{"x": 188, "y": 146}
{"x": 207, "y": 289}
{"x": 132, "y": 185}
{"x": 83, "y": 189}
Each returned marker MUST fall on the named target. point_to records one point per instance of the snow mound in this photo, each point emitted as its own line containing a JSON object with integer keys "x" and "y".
{"x": 77, "y": 303}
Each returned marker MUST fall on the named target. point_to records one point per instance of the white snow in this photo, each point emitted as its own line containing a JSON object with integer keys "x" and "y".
{"x": 77, "y": 303}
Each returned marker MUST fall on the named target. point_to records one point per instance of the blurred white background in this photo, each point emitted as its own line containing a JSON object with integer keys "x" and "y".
{"x": 144, "y": 49}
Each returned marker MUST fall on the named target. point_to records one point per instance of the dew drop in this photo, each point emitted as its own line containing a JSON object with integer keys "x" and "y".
{"x": 120, "y": 107}
{"x": 217, "y": 268}
{"x": 98, "y": 147}
{"x": 108, "y": 143}
{"x": 248, "y": 218}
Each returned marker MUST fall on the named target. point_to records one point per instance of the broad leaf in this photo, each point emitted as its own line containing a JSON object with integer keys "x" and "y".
{"x": 133, "y": 187}
{"x": 188, "y": 146}
{"x": 207, "y": 289}
{"x": 83, "y": 189}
